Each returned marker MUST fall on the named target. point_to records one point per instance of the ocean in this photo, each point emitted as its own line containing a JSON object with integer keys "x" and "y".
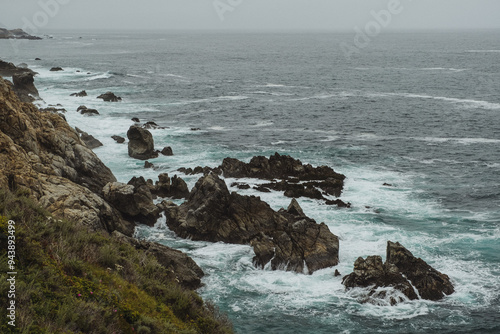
{"x": 417, "y": 110}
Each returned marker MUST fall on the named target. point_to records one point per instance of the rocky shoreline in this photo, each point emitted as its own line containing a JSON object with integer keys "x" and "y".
{"x": 42, "y": 155}
{"x": 16, "y": 34}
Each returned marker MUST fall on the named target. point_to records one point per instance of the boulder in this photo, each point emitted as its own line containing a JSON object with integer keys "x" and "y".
{"x": 109, "y": 97}
{"x": 401, "y": 271}
{"x": 152, "y": 125}
{"x": 136, "y": 120}
{"x": 167, "y": 151}
{"x": 295, "y": 209}
{"x": 56, "y": 69}
{"x": 89, "y": 140}
{"x": 281, "y": 239}
{"x": 24, "y": 87}
{"x": 133, "y": 201}
{"x": 141, "y": 143}
{"x": 80, "y": 94}
{"x": 148, "y": 164}
{"x": 118, "y": 139}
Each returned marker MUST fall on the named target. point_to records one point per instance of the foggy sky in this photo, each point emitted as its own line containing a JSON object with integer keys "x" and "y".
{"x": 247, "y": 14}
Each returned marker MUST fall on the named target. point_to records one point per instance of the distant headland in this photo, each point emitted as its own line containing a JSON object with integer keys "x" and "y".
{"x": 16, "y": 34}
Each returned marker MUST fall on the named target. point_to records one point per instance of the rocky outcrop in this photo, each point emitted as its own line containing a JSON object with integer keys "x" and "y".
{"x": 430, "y": 283}
{"x": 24, "y": 87}
{"x": 87, "y": 111}
{"x": 109, "y": 97}
{"x": 179, "y": 265}
{"x": 56, "y": 69}
{"x": 134, "y": 200}
{"x": 43, "y": 156}
{"x": 167, "y": 187}
{"x": 284, "y": 240}
{"x": 167, "y": 151}
{"x": 80, "y": 94}
{"x": 141, "y": 143}
{"x": 9, "y": 69}
{"x": 16, "y": 34}
{"x": 402, "y": 271}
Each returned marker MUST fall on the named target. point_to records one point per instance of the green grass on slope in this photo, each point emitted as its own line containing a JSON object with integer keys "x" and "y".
{"x": 71, "y": 280}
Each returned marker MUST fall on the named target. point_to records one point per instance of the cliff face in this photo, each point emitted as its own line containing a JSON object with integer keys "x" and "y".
{"x": 42, "y": 154}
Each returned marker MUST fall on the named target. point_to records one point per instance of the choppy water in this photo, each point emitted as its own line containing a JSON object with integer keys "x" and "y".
{"x": 418, "y": 111}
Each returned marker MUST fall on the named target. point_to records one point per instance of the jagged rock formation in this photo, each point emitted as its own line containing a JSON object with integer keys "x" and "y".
{"x": 284, "y": 239}
{"x": 80, "y": 94}
{"x": 401, "y": 271}
{"x": 141, "y": 144}
{"x": 174, "y": 187}
{"x": 296, "y": 179}
{"x": 89, "y": 140}
{"x": 9, "y": 69}
{"x": 24, "y": 86}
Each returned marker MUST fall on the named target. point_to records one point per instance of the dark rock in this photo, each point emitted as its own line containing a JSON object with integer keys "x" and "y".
{"x": 24, "y": 87}
{"x": 167, "y": 151}
{"x": 148, "y": 164}
{"x": 135, "y": 119}
{"x": 109, "y": 97}
{"x": 141, "y": 143}
{"x": 56, "y": 69}
{"x": 37, "y": 59}
{"x": 89, "y": 140}
{"x": 430, "y": 283}
{"x": 118, "y": 139}
{"x": 175, "y": 187}
{"x": 241, "y": 186}
{"x": 387, "y": 185}
{"x": 87, "y": 111}
{"x": 339, "y": 203}
{"x": 262, "y": 189}
{"x": 337, "y": 273}
{"x": 400, "y": 268}
{"x": 151, "y": 125}
{"x": 195, "y": 129}
{"x": 295, "y": 209}
{"x": 80, "y": 94}
{"x": 53, "y": 110}
{"x": 9, "y": 69}
{"x": 290, "y": 242}
{"x": 176, "y": 263}
{"x": 133, "y": 200}
{"x": 372, "y": 272}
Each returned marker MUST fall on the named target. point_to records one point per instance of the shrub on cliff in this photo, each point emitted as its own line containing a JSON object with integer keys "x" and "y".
{"x": 71, "y": 280}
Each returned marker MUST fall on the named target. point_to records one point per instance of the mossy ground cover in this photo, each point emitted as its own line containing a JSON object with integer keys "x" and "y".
{"x": 72, "y": 280}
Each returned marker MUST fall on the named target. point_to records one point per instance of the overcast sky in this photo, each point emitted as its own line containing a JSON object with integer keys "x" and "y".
{"x": 248, "y": 14}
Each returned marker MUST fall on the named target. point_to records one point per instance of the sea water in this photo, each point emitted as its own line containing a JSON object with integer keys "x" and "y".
{"x": 418, "y": 111}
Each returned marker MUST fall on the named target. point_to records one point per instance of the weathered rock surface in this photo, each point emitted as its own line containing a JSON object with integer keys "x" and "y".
{"x": 181, "y": 266}
{"x": 283, "y": 239}
{"x": 174, "y": 187}
{"x": 430, "y": 283}
{"x": 24, "y": 87}
{"x": 133, "y": 200}
{"x": 141, "y": 144}
{"x": 80, "y": 94}
{"x": 89, "y": 140}
{"x": 109, "y": 97}
{"x": 41, "y": 154}
{"x": 401, "y": 271}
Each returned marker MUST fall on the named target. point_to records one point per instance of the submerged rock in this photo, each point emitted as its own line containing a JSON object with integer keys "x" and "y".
{"x": 282, "y": 239}
{"x": 118, "y": 139}
{"x": 401, "y": 271}
{"x": 141, "y": 143}
{"x": 56, "y": 69}
{"x": 80, "y": 94}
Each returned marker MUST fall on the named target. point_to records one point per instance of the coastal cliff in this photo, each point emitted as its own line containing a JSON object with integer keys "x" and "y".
{"x": 76, "y": 257}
